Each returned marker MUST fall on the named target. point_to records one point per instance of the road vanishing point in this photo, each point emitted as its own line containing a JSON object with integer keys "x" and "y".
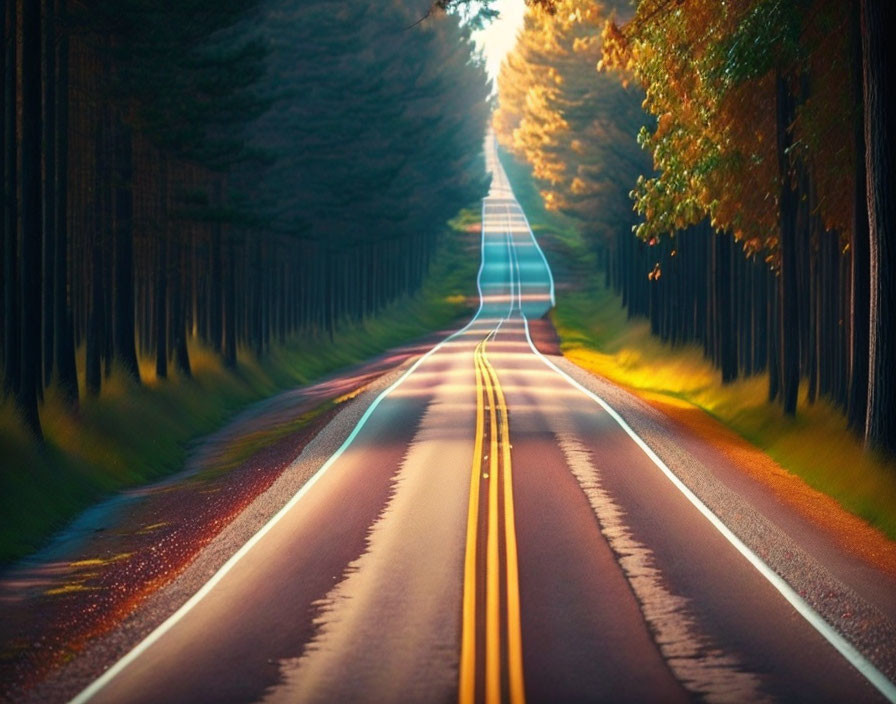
{"x": 491, "y": 530}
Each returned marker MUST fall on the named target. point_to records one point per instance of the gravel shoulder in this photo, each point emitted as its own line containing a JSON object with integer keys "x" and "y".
{"x": 838, "y": 564}
{"x": 73, "y": 677}
{"x": 844, "y": 569}
{"x": 49, "y": 616}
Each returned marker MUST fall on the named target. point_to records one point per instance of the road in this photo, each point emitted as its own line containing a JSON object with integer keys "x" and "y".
{"x": 490, "y": 532}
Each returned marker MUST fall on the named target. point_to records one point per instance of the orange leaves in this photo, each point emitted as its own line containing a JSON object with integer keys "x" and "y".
{"x": 616, "y": 49}
{"x": 715, "y": 140}
{"x": 663, "y": 125}
{"x": 713, "y": 144}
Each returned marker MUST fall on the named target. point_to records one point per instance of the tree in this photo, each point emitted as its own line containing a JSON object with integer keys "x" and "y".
{"x": 880, "y": 163}
{"x": 759, "y": 133}
{"x": 223, "y": 173}
{"x": 29, "y": 385}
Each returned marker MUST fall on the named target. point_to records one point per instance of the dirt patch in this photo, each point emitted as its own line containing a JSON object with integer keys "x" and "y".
{"x": 544, "y": 336}
{"x": 53, "y": 609}
{"x": 849, "y": 531}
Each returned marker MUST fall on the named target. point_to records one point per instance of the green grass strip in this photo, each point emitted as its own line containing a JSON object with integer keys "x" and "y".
{"x": 133, "y": 434}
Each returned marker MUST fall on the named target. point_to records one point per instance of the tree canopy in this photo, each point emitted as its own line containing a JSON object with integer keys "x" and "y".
{"x": 221, "y": 172}
{"x": 764, "y": 135}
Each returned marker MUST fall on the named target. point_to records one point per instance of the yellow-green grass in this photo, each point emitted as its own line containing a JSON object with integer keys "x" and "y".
{"x": 814, "y": 445}
{"x": 132, "y": 434}
{"x": 596, "y": 334}
{"x": 247, "y": 444}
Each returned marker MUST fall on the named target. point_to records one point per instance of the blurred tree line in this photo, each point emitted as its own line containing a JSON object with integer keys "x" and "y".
{"x": 228, "y": 171}
{"x": 765, "y": 216}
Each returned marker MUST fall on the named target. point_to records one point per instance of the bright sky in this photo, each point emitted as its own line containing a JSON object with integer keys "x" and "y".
{"x": 499, "y": 37}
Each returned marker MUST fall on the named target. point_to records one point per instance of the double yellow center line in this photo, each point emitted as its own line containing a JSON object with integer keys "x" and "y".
{"x": 494, "y": 478}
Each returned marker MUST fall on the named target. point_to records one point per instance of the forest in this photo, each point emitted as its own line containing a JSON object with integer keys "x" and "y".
{"x": 246, "y": 357}
{"x": 748, "y": 147}
{"x": 234, "y": 173}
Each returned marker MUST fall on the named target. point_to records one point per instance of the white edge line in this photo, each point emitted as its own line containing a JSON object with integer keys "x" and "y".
{"x": 840, "y": 644}
{"x": 528, "y": 226}
{"x": 97, "y": 685}
{"x": 865, "y": 667}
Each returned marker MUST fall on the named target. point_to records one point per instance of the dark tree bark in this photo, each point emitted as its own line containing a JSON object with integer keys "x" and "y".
{"x": 773, "y": 357}
{"x": 857, "y": 404}
{"x": 93, "y": 377}
{"x": 161, "y": 272}
{"x": 229, "y": 307}
{"x": 105, "y": 193}
{"x": 30, "y": 336}
{"x": 97, "y": 319}
{"x": 11, "y": 351}
{"x": 880, "y": 162}
{"x": 216, "y": 293}
{"x": 63, "y": 339}
{"x": 789, "y": 322}
{"x": 177, "y": 313}
{"x": 123, "y": 325}
{"x": 724, "y": 308}
{"x": 812, "y": 312}
{"x": 161, "y": 308}
{"x": 48, "y": 48}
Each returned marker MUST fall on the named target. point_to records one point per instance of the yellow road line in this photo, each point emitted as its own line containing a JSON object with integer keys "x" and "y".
{"x": 492, "y": 569}
{"x": 468, "y": 637}
{"x": 514, "y": 625}
{"x": 499, "y": 442}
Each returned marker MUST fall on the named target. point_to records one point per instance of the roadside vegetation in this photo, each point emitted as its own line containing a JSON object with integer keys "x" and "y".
{"x": 744, "y": 145}
{"x": 704, "y": 171}
{"x": 205, "y": 203}
{"x": 218, "y": 174}
{"x": 133, "y": 433}
{"x": 599, "y": 334}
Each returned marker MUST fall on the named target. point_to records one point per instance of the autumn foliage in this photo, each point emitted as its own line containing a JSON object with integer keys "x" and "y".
{"x": 752, "y": 228}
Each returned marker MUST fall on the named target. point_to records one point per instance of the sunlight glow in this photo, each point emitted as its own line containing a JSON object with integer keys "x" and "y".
{"x": 499, "y": 37}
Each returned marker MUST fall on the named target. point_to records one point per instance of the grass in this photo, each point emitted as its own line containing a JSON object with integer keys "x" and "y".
{"x": 596, "y": 334}
{"x": 133, "y": 434}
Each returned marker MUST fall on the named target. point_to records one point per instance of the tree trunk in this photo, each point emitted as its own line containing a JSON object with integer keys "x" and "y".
{"x": 161, "y": 307}
{"x": 789, "y": 322}
{"x": 63, "y": 337}
{"x": 229, "y": 306}
{"x": 724, "y": 308}
{"x": 93, "y": 377}
{"x": 812, "y": 317}
{"x": 857, "y": 403}
{"x": 178, "y": 309}
{"x": 216, "y": 282}
{"x": 31, "y": 217}
{"x": 123, "y": 322}
{"x": 11, "y": 351}
{"x": 773, "y": 357}
{"x": 880, "y": 162}
{"x": 48, "y": 49}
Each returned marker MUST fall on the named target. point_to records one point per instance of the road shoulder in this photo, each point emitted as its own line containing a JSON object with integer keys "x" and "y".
{"x": 73, "y": 611}
{"x": 838, "y": 564}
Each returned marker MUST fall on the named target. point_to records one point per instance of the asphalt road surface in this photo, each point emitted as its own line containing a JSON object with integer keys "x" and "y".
{"x": 491, "y": 532}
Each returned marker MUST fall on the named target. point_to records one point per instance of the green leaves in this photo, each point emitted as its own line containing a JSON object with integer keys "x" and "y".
{"x": 184, "y": 72}
{"x": 767, "y": 38}
{"x": 375, "y": 126}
